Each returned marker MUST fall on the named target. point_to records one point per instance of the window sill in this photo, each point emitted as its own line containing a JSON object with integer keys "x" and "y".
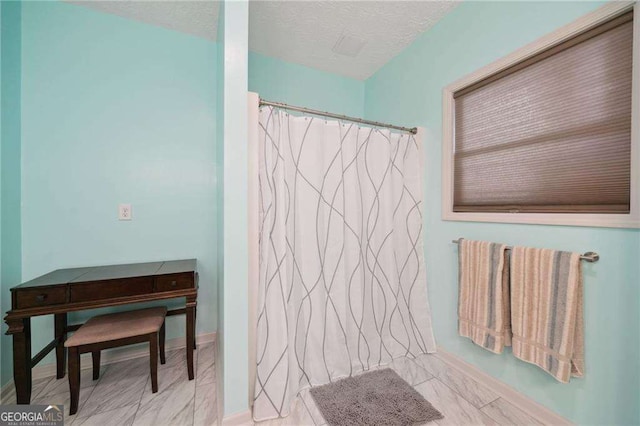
{"x": 570, "y": 219}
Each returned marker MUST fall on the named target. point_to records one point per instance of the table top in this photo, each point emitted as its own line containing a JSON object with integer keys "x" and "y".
{"x": 110, "y": 272}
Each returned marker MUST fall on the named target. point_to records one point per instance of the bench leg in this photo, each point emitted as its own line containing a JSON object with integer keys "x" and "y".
{"x": 74, "y": 378}
{"x": 95, "y": 356}
{"x": 153, "y": 361}
{"x": 191, "y": 331}
{"x": 60, "y": 321}
{"x": 163, "y": 359}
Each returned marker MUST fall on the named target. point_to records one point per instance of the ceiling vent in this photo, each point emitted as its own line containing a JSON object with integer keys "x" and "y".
{"x": 348, "y": 45}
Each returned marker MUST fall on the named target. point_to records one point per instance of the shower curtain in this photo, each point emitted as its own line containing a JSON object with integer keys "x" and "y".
{"x": 342, "y": 283}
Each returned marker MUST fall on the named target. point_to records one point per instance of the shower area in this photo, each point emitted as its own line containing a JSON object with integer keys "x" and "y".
{"x": 337, "y": 283}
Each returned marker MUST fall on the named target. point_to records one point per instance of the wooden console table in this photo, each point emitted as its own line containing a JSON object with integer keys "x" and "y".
{"x": 77, "y": 289}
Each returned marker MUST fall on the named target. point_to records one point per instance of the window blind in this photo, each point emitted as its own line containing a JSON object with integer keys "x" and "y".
{"x": 551, "y": 133}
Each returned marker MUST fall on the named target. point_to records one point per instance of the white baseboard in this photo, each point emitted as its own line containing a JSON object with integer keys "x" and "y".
{"x": 238, "y": 419}
{"x": 505, "y": 391}
{"x": 110, "y": 356}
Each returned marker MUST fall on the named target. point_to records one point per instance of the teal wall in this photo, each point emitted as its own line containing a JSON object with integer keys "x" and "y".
{"x": 116, "y": 111}
{"x": 235, "y": 337}
{"x": 219, "y": 206}
{"x": 10, "y": 246}
{"x": 409, "y": 90}
{"x": 280, "y": 81}
{"x": 106, "y": 120}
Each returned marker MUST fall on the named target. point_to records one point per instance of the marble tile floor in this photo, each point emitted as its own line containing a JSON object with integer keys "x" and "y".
{"x": 122, "y": 395}
{"x": 461, "y": 399}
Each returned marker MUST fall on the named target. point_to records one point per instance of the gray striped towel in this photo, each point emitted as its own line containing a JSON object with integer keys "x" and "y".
{"x": 546, "y": 310}
{"x": 483, "y": 294}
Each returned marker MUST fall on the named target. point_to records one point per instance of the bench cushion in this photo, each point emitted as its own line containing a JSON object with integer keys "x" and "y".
{"x": 103, "y": 328}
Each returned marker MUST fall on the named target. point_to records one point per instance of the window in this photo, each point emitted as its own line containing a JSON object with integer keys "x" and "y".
{"x": 545, "y": 135}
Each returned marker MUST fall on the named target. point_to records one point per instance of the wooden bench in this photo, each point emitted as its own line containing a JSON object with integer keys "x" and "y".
{"x": 114, "y": 330}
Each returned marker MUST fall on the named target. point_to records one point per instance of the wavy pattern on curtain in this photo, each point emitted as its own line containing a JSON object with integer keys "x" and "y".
{"x": 342, "y": 279}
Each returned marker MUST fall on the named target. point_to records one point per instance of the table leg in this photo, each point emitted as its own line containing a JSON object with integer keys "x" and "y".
{"x": 61, "y": 335}
{"x": 21, "y": 331}
{"x": 191, "y": 332}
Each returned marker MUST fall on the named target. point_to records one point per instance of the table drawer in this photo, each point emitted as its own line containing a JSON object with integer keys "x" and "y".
{"x": 174, "y": 282}
{"x": 34, "y": 297}
{"x": 110, "y": 289}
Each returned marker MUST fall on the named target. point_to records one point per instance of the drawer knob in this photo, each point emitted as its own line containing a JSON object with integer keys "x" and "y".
{"x": 173, "y": 283}
{"x": 41, "y": 297}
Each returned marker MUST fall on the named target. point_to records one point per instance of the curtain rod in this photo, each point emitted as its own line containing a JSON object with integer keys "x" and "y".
{"x": 412, "y": 130}
{"x": 589, "y": 256}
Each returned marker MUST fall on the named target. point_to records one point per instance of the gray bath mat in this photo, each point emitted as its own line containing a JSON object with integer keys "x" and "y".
{"x": 377, "y": 398}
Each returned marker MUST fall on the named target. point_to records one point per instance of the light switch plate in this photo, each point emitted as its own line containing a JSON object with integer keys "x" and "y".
{"x": 124, "y": 211}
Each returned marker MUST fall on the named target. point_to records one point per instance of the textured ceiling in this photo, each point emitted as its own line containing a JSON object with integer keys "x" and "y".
{"x": 199, "y": 18}
{"x": 305, "y": 32}
{"x": 302, "y": 32}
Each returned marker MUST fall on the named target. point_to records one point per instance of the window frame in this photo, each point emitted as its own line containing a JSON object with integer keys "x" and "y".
{"x": 611, "y": 220}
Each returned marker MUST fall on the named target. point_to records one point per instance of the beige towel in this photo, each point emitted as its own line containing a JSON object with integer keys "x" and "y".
{"x": 546, "y": 310}
{"x": 483, "y": 294}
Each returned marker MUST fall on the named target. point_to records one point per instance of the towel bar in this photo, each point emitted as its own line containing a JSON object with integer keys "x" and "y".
{"x": 589, "y": 256}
